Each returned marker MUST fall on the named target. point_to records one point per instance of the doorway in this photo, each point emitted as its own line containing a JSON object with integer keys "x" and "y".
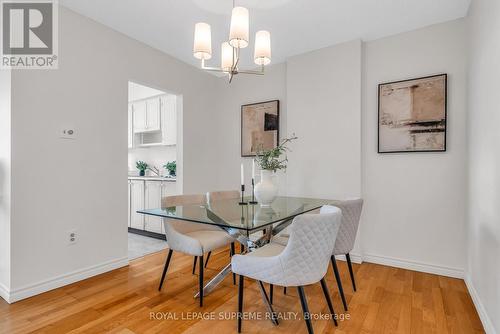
{"x": 154, "y": 116}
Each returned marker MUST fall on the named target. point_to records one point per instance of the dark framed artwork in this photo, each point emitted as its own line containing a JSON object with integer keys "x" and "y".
{"x": 412, "y": 115}
{"x": 260, "y": 125}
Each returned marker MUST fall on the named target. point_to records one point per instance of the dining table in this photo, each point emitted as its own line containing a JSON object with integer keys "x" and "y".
{"x": 251, "y": 225}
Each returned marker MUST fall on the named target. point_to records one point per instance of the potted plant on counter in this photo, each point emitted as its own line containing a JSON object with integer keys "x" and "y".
{"x": 171, "y": 167}
{"x": 141, "y": 166}
{"x": 271, "y": 161}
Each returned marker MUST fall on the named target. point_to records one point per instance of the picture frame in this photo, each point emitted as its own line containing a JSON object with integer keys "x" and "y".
{"x": 260, "y": 124}
{"x": 413, "y": 115}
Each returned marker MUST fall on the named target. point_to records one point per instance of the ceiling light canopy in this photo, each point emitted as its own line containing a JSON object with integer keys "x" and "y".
{"x": 230, "y": 50}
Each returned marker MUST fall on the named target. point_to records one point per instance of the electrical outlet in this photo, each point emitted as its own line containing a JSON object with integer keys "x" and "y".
{"x": 72, "y": 237}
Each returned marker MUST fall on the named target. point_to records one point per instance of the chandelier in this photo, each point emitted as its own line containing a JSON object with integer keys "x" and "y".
{"x": 230, "y": 50}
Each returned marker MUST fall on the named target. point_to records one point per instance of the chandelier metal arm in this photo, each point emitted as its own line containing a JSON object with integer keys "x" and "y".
{"x": 208, "y": 68}
{"x": 233, "y": 70}
{"x": 258, "y": 72}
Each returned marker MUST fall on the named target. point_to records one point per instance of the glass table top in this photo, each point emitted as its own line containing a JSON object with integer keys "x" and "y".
{"x": 229, "y": 214}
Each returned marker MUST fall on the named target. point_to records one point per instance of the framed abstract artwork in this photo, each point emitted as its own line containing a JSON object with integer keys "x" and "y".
{"x": 259, "y": 127}
{"x": 412, "y": 115}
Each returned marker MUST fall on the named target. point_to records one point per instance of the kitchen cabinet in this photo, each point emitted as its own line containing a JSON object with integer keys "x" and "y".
{"x": 153, "y": 114}
{"x": 139, "y": 116}
{"x": 169, "y": 120}
{"x": 147, "y": 115}
{"x": 153, "y": 121}
{"x": 147, "y": 193}
{"x": 130, "y": 126}
{"x": 153, "y": 200}
{"x": 136, "y": 200}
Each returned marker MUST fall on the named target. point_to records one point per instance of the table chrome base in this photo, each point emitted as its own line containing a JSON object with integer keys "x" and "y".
{"x": 215, "y": 281}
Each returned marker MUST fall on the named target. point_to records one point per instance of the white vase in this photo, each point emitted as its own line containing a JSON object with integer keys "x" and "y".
{"x": 266, "y": 190}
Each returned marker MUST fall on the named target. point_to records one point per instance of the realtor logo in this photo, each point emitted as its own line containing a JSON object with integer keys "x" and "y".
{"x": 29, "y": 34}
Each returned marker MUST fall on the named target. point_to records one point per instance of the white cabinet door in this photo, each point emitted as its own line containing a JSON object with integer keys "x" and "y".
{"x": 169, "y": 119}
{"x": 136, "y": 203}
{"x": 130, "y": 126}
{"x": 169, "y": 188}
{"x": 140, "y": 116}
{"x": 129, "y": 201}
{"x": 153, "y": 201}
{"x": 153, "y": 117}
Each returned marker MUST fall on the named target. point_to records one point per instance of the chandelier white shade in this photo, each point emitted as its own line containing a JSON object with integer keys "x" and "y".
{"x": 226, "y": 62}
{"x": 238, "y": 32}
{"x": 230, "y": 50}
{"x": 202, "y": 41}
{"x": 262, "y": 52}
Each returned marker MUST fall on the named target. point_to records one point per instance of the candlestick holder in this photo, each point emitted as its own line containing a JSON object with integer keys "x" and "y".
{"x": 253, "y": 201}
{"x": 242, "y": 202}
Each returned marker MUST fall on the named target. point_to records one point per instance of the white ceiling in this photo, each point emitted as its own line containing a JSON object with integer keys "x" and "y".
{"x": 296, "y": 26}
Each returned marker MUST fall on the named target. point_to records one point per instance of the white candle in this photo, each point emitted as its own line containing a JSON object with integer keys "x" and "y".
{"x": 242, "y": 175}
{"x": 253, "y": 169}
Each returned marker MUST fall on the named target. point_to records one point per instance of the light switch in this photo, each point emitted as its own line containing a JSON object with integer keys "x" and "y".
{"x": 67, "y": 133}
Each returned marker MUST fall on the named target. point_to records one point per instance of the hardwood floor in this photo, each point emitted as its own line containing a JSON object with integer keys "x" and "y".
{"x": 126, "y": 301}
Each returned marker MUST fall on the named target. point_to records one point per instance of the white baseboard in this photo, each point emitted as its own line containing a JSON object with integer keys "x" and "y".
{"x": 62, "y": 280}
{"x": 485, "y": 319}
{"x": 355, "y": 258}
{"x": 4, "y": 292}
{"x": 416, "y": 266}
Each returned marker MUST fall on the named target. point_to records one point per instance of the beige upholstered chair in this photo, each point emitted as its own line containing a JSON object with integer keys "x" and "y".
{"x": 303, "y": 261}
{"x": 351, "y": 213}
{"x": 220, "y": 195}
{"x": 217, "y": 196}
{"x": 191, "y": 238}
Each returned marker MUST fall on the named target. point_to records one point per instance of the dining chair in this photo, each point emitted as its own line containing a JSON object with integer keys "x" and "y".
{"x": 217, "y": 196}
{"x": 302, "y": 261}
{"x": 351, "y": 213}
{"x": 191, "y": 238}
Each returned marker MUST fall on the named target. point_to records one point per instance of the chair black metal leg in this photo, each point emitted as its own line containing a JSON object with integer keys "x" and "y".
{"x": 208, "y": 257}
{"x": 194, "y": 264}
{"x": 305, "y": 309}
{"x": 328, "y": 300}
{"x": 349, "y": 264}
{"x": 263, "y": 293}
{"x": 201, "y": 280}
{"x": 165, "y": 268}
{"x": 271, "y": 292}
{"x": 339, "y": 282}
{"x": 284, "y": 290}
{"x": 240, "y": 303}
{"x": 231, "y": 253}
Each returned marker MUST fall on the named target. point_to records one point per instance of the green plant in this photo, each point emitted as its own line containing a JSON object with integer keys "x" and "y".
{"x": 270, "y": 159}
{"x": 141, "y": 165}
{"x": 171, "y": 166}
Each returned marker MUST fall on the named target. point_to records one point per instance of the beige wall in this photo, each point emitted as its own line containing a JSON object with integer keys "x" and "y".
{"x": 227, "y": 115}
{"x": 324, "y": 111}
{"x": 64, "y": 185}
{"x": 5, "y": 181}
{"x": 414, "y": 212}
{"x": 484, "y": 158}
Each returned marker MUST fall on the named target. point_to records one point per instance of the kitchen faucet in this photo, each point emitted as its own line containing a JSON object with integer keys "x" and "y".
{"x": 155, "y": 170}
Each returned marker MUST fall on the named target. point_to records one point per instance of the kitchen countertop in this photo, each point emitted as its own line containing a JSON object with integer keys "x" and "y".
{"x": 152, "y": 178}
